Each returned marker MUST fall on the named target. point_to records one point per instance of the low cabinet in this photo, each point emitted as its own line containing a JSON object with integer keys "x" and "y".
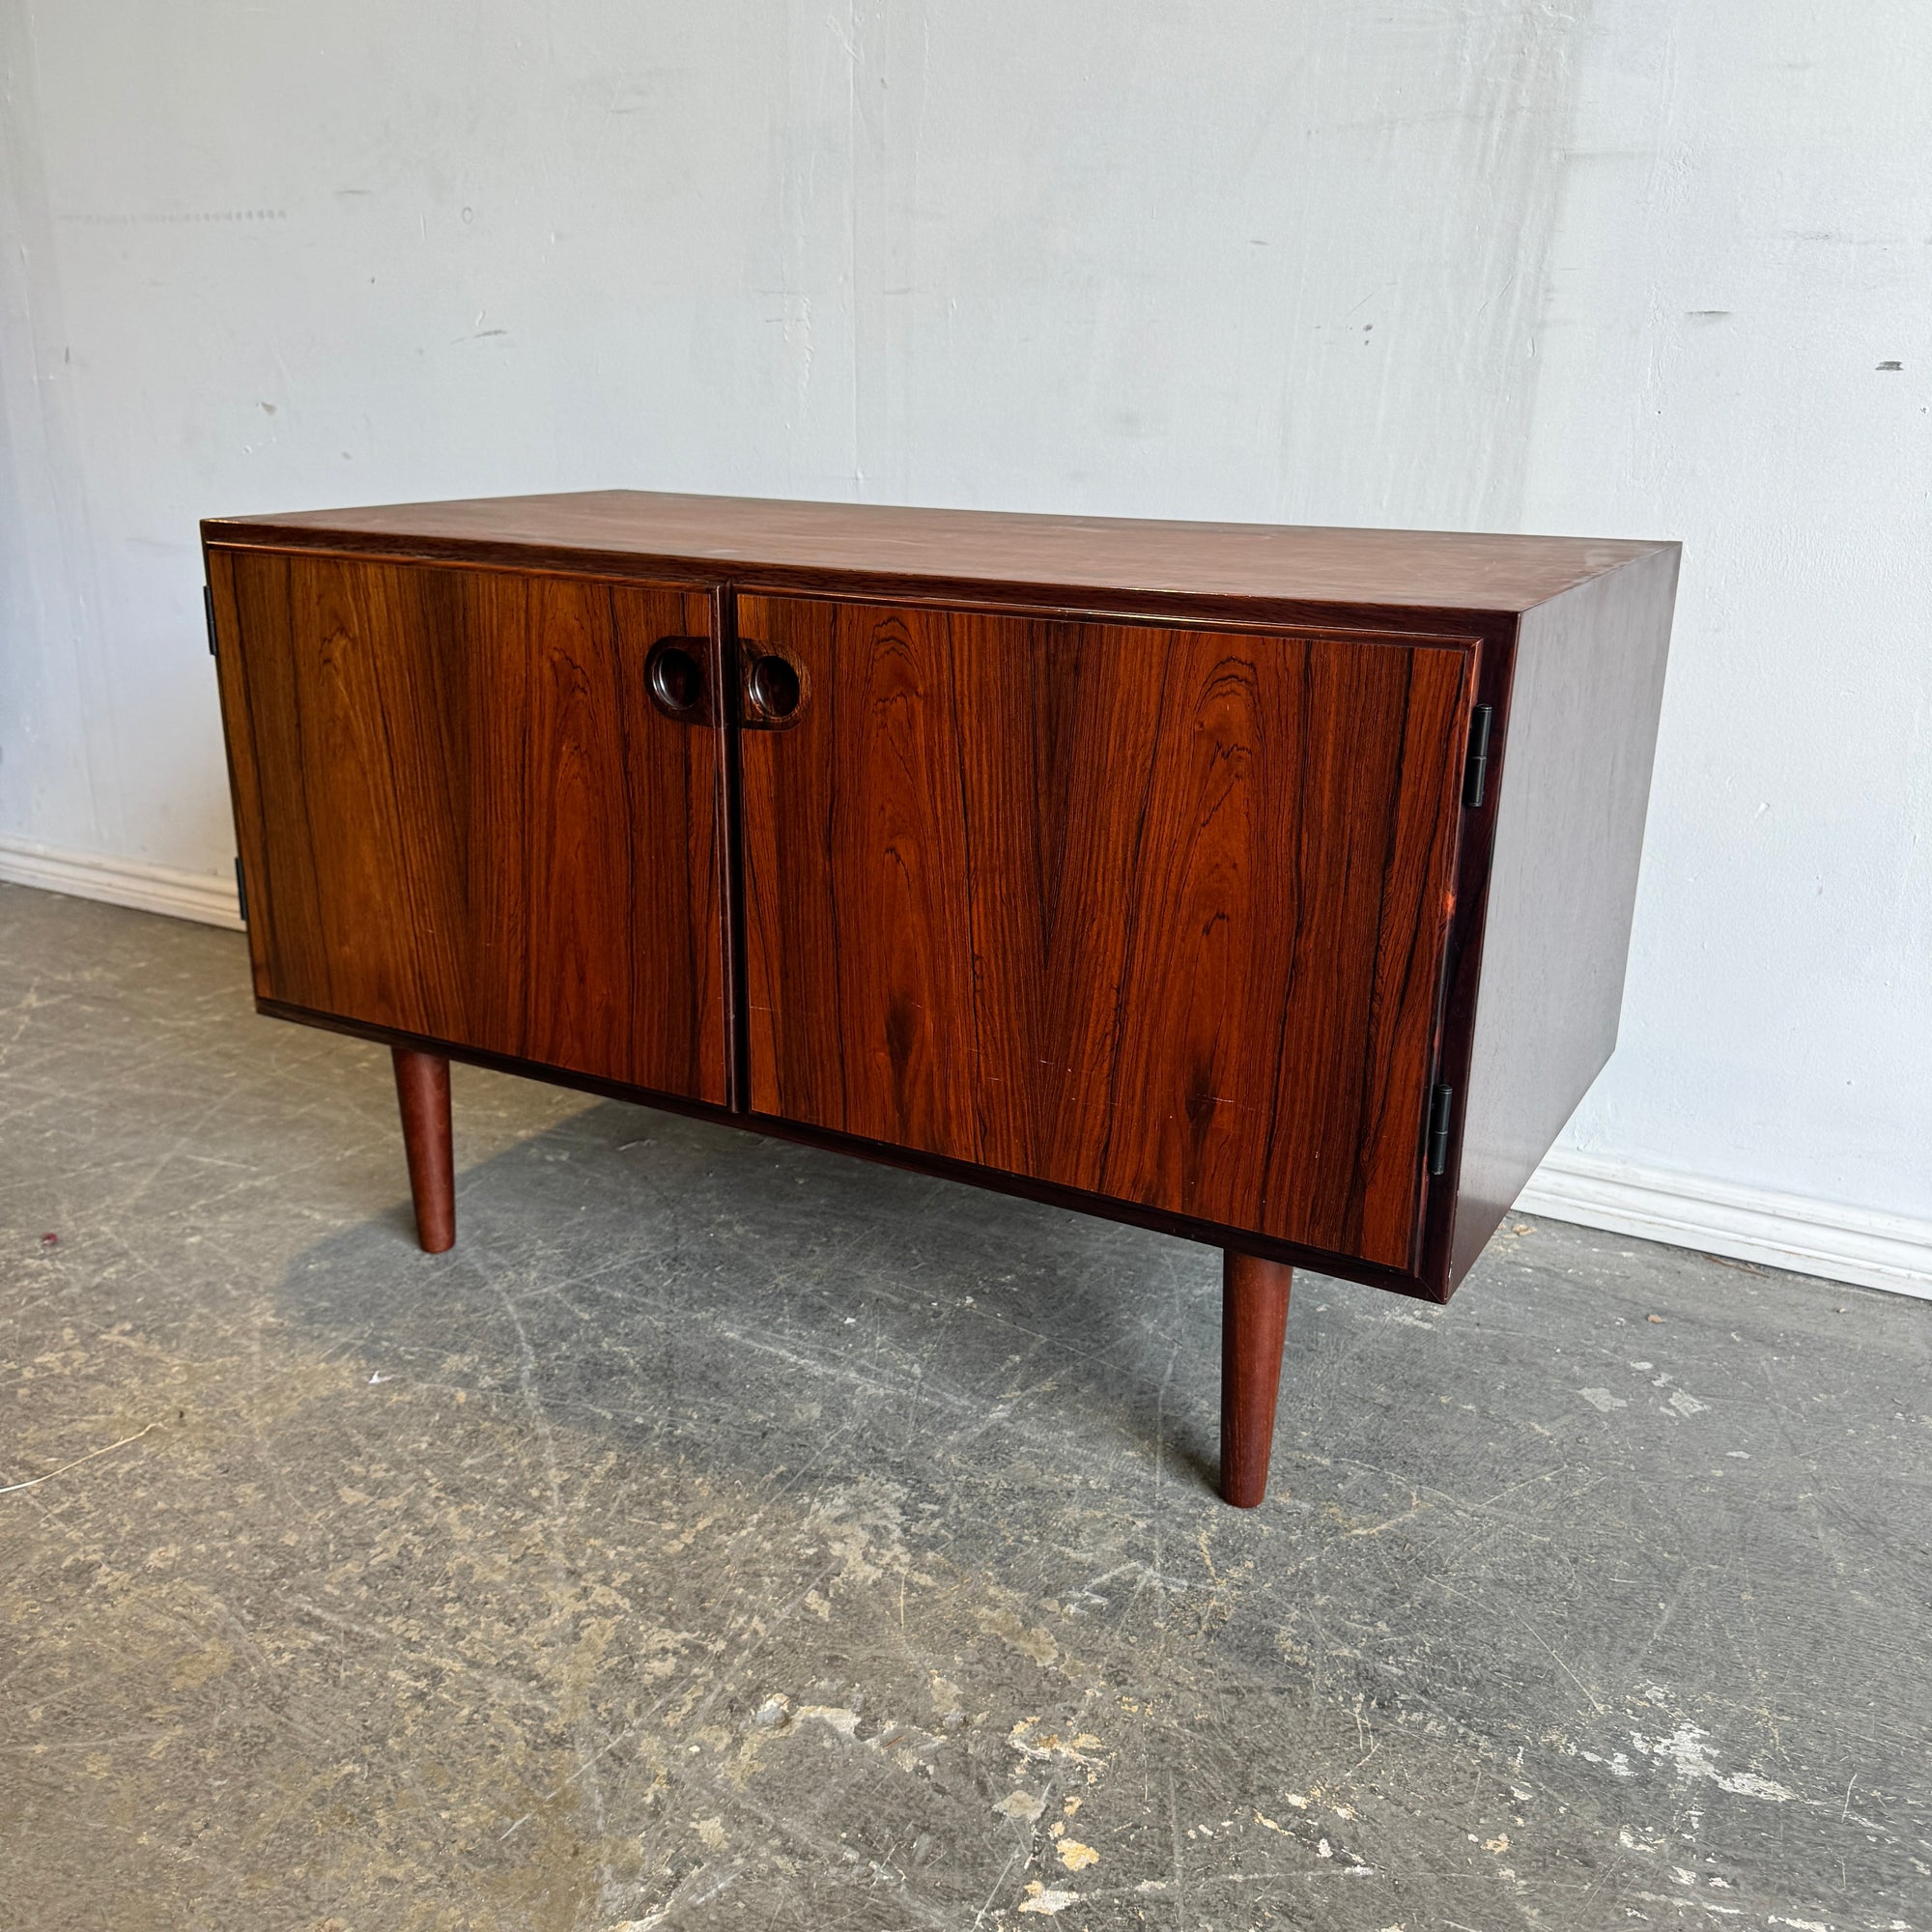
{"x": 1266, "y": 887}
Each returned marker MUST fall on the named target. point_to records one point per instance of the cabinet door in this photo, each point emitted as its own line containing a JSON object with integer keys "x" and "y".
{"x": 1152, "y": 913}
{"x": 463, "y": 814}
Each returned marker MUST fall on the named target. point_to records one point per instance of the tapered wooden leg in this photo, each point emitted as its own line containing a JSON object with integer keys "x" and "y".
{"x": 1254, "y": 1322}
{"x": 423, "y": 1087}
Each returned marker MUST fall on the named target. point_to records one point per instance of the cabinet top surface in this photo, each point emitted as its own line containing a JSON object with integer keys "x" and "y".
{"x": 728, "y": 536}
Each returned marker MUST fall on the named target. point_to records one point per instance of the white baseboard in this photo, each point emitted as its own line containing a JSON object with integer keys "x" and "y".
{"x": 206, "y": 897}
{"x": 1784, "y": 1231}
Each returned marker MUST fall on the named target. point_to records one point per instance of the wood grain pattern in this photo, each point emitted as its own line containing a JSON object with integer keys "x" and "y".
{"x": 744, "y": 539}
{"x": 1151, "y": 913}
{"x": 464, "y": 819}
{"x": 417, "y": 660}
{"x": 909, "y": 1160}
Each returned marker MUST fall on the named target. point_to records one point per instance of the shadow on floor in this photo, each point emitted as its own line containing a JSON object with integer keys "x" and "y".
{"x": 648, "y": 1272}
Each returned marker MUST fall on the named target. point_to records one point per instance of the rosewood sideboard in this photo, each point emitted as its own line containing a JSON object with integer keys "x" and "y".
{"x": 1269, "y": 886}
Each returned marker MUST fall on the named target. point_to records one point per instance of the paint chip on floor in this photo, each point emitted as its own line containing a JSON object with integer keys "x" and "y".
{"x": 1046, "y": 1900}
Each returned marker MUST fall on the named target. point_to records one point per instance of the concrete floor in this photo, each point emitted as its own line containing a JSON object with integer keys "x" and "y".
{"x": 732, "y": 1535}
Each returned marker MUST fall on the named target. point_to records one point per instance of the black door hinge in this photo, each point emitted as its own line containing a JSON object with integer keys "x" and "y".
{"x": 208, "y": 611}
{"x": 242, "y": 891}
{"x": 1476, "y": 772}
{"x": 1441, "y": 1105}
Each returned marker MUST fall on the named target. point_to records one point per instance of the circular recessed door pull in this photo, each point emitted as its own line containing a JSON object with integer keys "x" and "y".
{"x": 774, "y": 689}
{"x": 675, "y": 673}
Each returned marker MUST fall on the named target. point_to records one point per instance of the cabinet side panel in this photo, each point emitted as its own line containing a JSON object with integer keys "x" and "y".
{"x": 238, "y": 741}
{"x": 1572, "y": 779}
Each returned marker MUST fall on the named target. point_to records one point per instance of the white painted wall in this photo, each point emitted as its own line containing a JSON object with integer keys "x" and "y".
{"x": 1623, "y": 268}
{"x": 1735, "y": 348}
